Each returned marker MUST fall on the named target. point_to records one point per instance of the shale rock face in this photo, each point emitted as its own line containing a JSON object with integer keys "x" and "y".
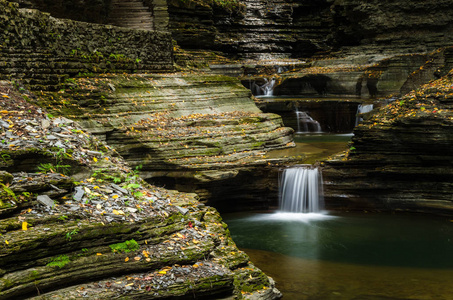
{"x": 109, "y": 234}
{"x": 197, "y": 133}
{"x": 361, "y": 76}
{"x": 413, "y": 26}
{"x": 262, "y": 29}
{"x": 253, "y": 29}
{"x": 43, "y": 51}
{"x": 400, "y": 157}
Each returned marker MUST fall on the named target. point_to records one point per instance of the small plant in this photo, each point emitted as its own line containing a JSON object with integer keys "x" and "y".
{"x": 5, "y": 157}
{"x": 50, "y": 168}
{"x": 9, "y": 193}
{"x": 59, "y": 261}
{"x": 125, "y": 247}
{"x": 69, "y": 235}
{"x": 63, "y": 218}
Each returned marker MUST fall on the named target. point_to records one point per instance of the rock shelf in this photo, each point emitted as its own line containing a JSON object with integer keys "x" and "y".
{"x": 100, "y": 231}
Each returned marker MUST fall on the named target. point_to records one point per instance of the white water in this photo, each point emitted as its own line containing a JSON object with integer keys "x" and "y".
{"x": 305, "y": 123}
{"x": 267, "y": 89}
{"x": 300, "y": 190}
{"x": 362, "y": 109}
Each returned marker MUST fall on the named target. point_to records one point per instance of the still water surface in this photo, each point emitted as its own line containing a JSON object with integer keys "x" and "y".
{"x": 314, "y": 146}
{"x": 350, "y": 256}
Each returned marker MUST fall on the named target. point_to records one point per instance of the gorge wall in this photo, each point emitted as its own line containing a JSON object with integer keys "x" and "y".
{"x": 76, "y": 222}
{"x": 43, "y": 51}
{"x": 302, "y": 28}
{"x": 400, "y": 157}
{"x": 191, "y": 132}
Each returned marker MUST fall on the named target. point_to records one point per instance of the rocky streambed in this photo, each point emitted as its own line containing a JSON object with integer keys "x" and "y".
{"x": 77, "y": 222}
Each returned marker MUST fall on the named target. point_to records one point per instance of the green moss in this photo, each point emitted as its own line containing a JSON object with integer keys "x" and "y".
{"x": 250, "y": 280}
{"x": 59, "y": 261}
{"x": 125, "y": 247}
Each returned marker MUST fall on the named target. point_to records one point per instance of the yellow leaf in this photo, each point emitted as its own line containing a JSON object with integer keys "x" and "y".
{"x": 145, "y": 253}
{"x": 95, "y": 159}
{"x": 163, "y": 272}
{"x": 137, "y": 258}
{"x": 24, "y": 225}
{"x": 115, "y": 196}
{"x": 126, "y": 259}
{"x": 6, "y": 242}
{"x": 195, "y": 241}
{"x": 148, "y": 259}
{"x": 5, "y": 96}
{"x": 98, "y": 253}
{"x": 118, "y": 212}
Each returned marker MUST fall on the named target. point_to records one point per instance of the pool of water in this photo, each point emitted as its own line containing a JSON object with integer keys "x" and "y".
{"x": 314, "y": 146}
{"x": 350, "y": 256}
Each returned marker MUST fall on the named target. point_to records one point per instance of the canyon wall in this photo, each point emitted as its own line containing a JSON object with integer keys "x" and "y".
{"x": 303, "y": 28}
{"x": 191, "y": 132}
{"x": 43, "y": 51}
{"x": 400, "y": 157}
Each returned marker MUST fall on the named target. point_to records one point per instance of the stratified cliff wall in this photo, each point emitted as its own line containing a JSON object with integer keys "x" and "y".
{"x": 302, "y": 28}
{"x": 400, "y": 158}
{"x": 43, "y": 51}
{"x": 254, "y": 29}
{"x": 394, "y": 25}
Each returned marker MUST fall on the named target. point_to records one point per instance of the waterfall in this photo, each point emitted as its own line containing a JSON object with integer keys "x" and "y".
{"x": 362, "y": 109}
{"x": 305, "y": 123}
{"x": 300, "y": 190}
{"x": 266, "y": 89}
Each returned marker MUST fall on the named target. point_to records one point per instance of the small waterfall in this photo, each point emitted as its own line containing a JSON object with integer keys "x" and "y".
{"x": 300, "y": 190}
{"x": 305, "y": 123}
{"x": 362, "y": 109}
{"x": 266, "y": 89}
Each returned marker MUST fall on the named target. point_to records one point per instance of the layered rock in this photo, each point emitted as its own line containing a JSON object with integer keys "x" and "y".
{"x": 43, "y": 51}
{"x": 252, "y": 29}
{"x": 400, "y": 157}
{"x": 109, "y": 234}
{"x": 398, "y": 26}
{"x": 361, "y": 76}
{"x": 198, "y": 133}
{"x": 139, "y": 14}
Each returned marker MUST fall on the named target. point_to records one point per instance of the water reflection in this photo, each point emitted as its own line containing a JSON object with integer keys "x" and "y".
{"x": 319, "y": 256}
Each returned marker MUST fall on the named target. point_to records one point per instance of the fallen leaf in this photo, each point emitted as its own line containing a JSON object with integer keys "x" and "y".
{"x": 24, "y": 225}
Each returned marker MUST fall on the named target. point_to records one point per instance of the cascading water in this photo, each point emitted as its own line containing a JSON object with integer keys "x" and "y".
{"x": 362, "y": 109}
{"x": 300, "y": 190}
{"x": 266, "y": 89}
{"x": 305, "y": 123}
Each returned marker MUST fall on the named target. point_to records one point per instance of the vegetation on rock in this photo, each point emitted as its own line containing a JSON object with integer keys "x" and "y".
{"x": 65, "y": 236}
